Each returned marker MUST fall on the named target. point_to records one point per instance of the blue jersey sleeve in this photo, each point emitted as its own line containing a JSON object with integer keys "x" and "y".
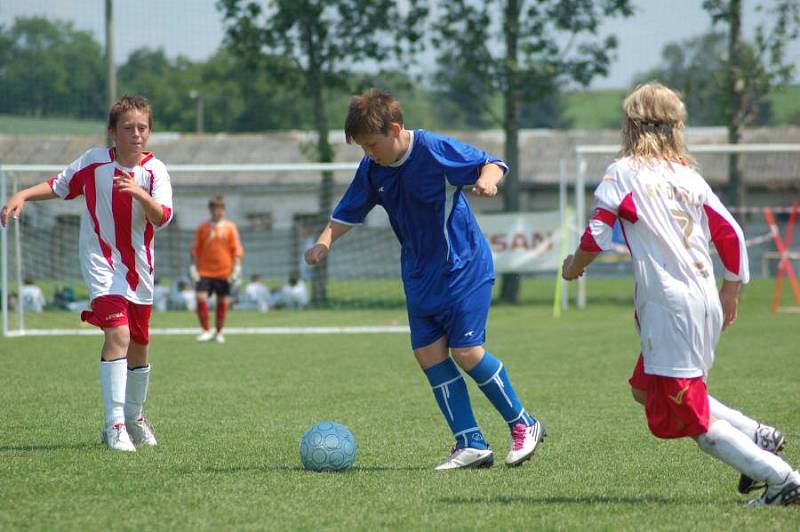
{"x": 359, "y": 198}
{"x": 461, "y": 162}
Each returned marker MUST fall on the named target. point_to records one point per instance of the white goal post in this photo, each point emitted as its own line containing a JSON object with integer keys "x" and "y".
{"x": 763, "y": 164}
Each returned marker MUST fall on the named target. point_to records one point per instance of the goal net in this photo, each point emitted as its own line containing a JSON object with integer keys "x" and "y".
{"x": 770, "y": 173}
{"x": 276, "y": 207}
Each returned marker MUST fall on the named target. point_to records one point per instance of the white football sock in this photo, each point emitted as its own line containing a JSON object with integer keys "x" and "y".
{"x": 136, "y": 392}
{"x": 737, "y": 450}
{"x": 112, "y": 384}
{"x": 734, "y": 417}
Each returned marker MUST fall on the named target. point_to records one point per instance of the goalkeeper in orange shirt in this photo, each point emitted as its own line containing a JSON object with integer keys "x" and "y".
{"x": 216, "y": 265}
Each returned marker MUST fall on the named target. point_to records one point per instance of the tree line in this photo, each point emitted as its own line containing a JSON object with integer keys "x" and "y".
{"x": 50, "y": 69}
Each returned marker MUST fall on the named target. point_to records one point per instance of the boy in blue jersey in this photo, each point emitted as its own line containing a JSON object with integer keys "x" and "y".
{"x": 418, "y": 177}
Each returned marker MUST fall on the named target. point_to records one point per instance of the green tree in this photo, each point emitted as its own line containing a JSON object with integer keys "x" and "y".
{"x": 751, "y": 72}
{"x": 233, "y": 97}
{"x": 264, "y": 101}
{"x": 324, "y": 39}
{"x": 462, "y": 105}
{"x": 419, "y": 103}
{"x": 696, "y": 68}
{"x": 49, "y": 68}
{"x": 166, "y": 83}
{"x": 545, "y": 43}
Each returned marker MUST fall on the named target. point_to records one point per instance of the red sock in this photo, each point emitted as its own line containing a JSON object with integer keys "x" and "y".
{"x": 222, "y": 309}
{"x": 202, "y": 313}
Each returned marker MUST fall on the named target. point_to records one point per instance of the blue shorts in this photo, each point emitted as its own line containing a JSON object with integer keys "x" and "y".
{"x": 463, "y": 322}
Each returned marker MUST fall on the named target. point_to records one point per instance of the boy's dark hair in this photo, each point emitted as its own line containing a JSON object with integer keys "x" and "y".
{"x": 216, "y": 201}
{"x": 371, "y": 113}
{"x": 128, "y": 103}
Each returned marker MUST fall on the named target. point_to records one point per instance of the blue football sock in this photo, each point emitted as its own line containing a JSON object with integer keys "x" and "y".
{"x": 492, "y": 379}
{"x": 450, "y": 391}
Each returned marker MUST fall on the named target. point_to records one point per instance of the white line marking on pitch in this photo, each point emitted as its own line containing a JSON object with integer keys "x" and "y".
{"x": 227, "y": 331}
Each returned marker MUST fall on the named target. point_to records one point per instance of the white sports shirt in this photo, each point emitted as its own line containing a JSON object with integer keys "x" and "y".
{"x": 668, "y": 215}
{"x": 116, "y": 240}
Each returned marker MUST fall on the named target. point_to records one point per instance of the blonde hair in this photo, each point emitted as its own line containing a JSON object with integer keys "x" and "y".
{"x": 653, "y": 126}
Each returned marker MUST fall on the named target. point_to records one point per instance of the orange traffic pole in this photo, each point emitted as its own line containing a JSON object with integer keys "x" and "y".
{"x": 784, "y": 265}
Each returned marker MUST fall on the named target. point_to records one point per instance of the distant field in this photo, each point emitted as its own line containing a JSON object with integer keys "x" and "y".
{"x": 603, "y": 109}
{"x": 786, "y": 107}
{"x": 589, "y": 110}
{"x": 23, "y": 125}
{"x": 229, "y": 419}
{"x": 595, "y": 109}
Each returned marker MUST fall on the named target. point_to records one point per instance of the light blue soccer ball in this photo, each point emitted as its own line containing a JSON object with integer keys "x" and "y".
{"x": 328, "y": 446}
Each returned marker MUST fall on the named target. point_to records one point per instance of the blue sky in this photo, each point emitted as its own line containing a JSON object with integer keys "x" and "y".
{"x": 193, "y": 28}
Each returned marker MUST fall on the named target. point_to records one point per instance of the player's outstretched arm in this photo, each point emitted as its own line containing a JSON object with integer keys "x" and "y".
{"x": 320, "y": 250}
{"x": 13, "y": 207}
{"x": 490, "y": 176}
{"x": 575, "y": 265}
{"x": 729, "y": 299}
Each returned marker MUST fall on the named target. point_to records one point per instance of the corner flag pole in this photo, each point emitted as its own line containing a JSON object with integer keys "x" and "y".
{"x": 563, "y": 249}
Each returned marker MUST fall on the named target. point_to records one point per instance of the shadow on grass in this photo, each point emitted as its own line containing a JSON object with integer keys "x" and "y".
{"x": 508, "y": 499}
{"x": 298, "y": 468}
{"x": 53, "y": 447}
{"x": 381, "y": 469}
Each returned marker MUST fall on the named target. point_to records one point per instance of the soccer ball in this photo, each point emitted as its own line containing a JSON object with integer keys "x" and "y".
{"x": 328, "y": 446}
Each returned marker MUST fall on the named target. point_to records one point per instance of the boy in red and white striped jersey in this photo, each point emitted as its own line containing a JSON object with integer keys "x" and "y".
{"x": 128, "y": 197}
{"x": 668, "y": 215}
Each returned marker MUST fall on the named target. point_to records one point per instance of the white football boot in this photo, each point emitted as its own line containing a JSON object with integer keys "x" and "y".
{"x": 141, "y": 432}
{"x": 220, "y": 338}
{"x": 524, "y": 440}
{"x": 784, "y": 494}
{"x": 117, "y": 438}
{"x": 467, "y": 457}
{"x": 206, "y": 336}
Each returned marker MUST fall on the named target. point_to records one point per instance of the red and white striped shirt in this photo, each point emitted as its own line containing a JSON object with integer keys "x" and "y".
{"x": 669, "y": 214}
{"x": 116, "y": 239}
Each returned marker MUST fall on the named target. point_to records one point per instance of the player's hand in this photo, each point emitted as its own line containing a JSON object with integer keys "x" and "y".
{"x": 484, "y": 187}
{"x": 236, "y": 276}
{"x": 729, "y": 299}
{"x": 12, "y": 209}
{"x": 126, "y": 183}
{"x": 193, "y": 274}
{"x": 317, "y": 253}
{"x": 566, "y": 269}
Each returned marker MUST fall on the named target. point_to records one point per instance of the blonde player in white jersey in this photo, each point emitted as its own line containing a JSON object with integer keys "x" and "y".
{"x": 128, "y": 196}
{"x": 668, "y": 215}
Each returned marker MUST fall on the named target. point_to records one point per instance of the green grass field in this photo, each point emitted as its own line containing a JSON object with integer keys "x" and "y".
{"x": 229, "y": 420}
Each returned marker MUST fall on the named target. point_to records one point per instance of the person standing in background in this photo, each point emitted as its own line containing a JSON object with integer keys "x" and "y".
{"x": 216, "y": 265}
